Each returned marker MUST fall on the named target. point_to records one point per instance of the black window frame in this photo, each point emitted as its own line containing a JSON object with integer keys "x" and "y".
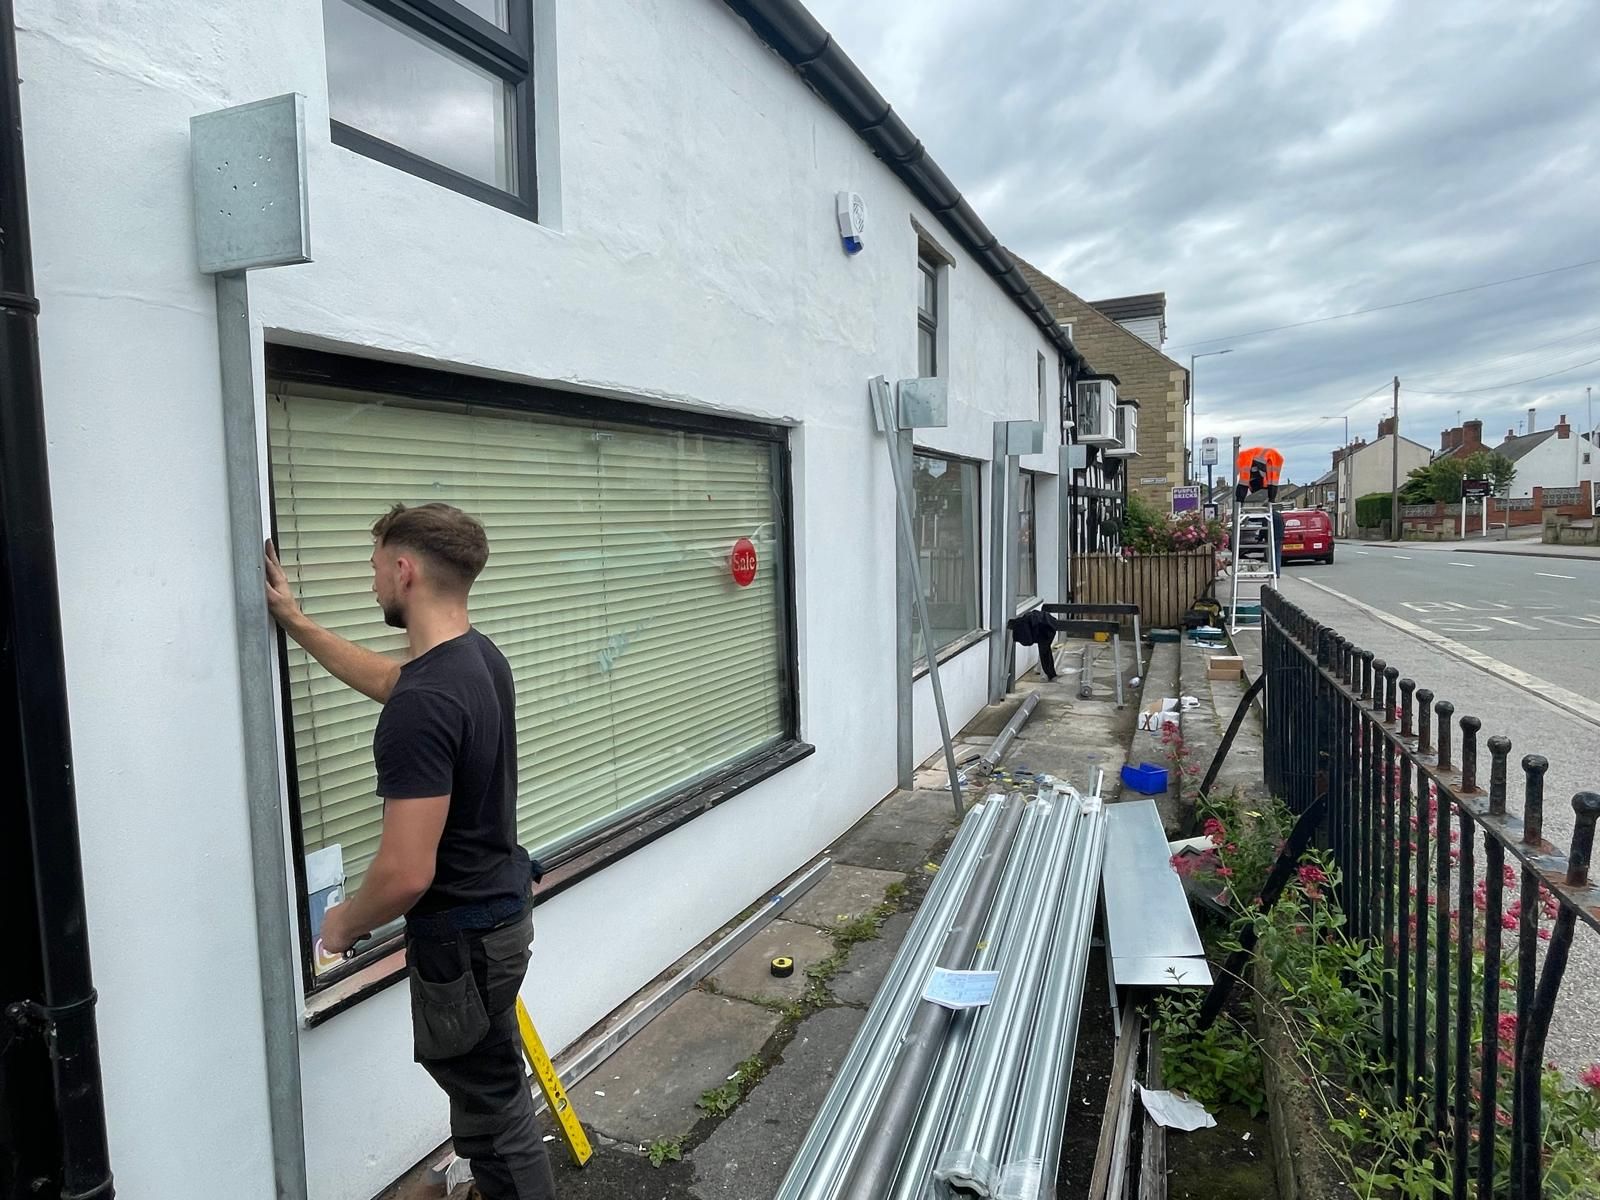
{"x": 929, "y": 268}
{"x": 506, "y": 53}
{"x": 634, "y": 830}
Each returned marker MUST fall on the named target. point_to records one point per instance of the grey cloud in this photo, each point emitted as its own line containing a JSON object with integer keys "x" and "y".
{"x": 1263, "y": 166}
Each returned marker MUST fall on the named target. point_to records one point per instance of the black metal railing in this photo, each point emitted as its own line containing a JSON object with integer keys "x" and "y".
{"x": 1406, "y": 818}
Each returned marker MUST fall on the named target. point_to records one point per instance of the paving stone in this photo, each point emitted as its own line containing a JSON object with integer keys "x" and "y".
{"x": 899, "y": 834}
{"x": 868, "y": 962}
{"x": 750, "y": 1152}
{"x": 845, "y": 893}
{"x": 748, "y": 971}
{"x": 652, "y": 1083}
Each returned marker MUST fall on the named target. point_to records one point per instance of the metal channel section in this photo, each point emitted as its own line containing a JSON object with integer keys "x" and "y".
{"x": 1151, "y": 939}
{"x": 895, "y": 1115}
{"x": 258, "y": 151}
{"x": 922, "y": 402}
{"x": 988, "y": 1091}
{"x": 831, "y": 1134}
{"x": 1012, "y": 727}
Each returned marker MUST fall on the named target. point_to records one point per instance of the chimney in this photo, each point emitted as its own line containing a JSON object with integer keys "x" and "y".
{"x": 1563, "y": 430}
{"x": 1531, "y": 426}
{"x": 1385, "y": 427}
{"x": 1510, "y": 434}
{"x": 1472, "y": 436}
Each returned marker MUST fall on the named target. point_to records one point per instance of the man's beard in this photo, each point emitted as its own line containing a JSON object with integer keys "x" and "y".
{"x": 393, "y": 615}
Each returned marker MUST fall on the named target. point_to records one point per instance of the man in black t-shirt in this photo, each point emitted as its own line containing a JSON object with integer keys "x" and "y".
{"x": 448, "y": 859}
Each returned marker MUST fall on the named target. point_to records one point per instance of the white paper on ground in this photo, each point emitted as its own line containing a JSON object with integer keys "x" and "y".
{"x": 961, "y": 989}
{"x": 1173, "y": 1110}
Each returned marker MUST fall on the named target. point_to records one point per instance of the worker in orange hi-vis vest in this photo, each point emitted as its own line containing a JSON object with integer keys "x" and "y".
{"x": 1257, "y": 469}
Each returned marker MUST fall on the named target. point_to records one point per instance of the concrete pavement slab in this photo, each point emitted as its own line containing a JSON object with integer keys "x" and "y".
{"x": 647, "y": 1090}
{"x": 750, "y": 1152}
{"x": 899, "y": 834}
{"x": 748, "y": 971}
{"x": 846, "y": 893}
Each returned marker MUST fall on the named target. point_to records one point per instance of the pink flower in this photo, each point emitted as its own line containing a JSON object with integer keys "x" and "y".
{"x": 1311, "y": 874}
{"x": 1507, "y": 1028}
{"x": 1215, "y": 831}
{"x": 1225, "y": 872}
{"x": 1590, "y": 1076}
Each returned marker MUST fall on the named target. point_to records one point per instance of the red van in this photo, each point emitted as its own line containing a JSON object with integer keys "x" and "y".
{"x": 1307, "y": 534}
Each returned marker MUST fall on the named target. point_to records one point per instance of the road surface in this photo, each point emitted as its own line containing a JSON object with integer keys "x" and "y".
{"x": 1513, "y": 640}
{"x": 1539, "y": 615}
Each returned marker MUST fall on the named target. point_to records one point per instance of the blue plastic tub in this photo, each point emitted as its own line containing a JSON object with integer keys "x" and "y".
{"x": 1146, "y": 779}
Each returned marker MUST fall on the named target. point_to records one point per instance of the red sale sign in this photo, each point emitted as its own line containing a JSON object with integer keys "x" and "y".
{"x": 742, "y": 562}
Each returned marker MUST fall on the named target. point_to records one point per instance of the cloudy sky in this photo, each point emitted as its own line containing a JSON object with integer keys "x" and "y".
{"x": 1264, "y": 166}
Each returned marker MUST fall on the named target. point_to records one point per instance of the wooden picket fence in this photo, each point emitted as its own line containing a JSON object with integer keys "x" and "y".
{"x": 1164, "y": 586}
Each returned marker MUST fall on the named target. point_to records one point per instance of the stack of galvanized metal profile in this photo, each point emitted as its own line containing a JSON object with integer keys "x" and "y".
{"x": 931, "y": 1102}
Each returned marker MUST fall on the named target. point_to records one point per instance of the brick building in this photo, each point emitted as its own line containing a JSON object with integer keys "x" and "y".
{"x": 1159, "y": 384}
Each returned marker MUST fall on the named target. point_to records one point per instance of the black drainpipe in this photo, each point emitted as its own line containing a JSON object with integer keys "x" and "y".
{"x": 63, "y": 1016}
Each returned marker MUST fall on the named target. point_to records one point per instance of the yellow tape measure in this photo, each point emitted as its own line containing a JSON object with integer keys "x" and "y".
{"x": 550, "y": 1084}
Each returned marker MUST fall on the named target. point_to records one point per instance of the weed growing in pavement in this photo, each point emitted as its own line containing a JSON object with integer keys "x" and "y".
{"x": 720, "y": 1101}
{"x": 664, "y": 1150}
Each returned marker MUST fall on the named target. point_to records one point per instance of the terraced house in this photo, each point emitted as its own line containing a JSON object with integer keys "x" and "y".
{"x": 613, "y": 275}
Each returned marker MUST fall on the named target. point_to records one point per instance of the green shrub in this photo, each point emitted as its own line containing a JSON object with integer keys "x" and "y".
{"x": 1373, "y": 510}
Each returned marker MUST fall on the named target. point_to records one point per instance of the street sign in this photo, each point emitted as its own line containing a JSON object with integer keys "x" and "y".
{"x": 1186, "y": 498}
{"x": 1476, "y": 489}
{"x": 1208, "y": 452}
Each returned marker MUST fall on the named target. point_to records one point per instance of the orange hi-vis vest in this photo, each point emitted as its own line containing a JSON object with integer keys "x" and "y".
{"x": 1257, "y": 469}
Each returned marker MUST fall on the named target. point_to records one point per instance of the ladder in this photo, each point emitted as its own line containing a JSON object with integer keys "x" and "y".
{"x": 1247, "y": 614}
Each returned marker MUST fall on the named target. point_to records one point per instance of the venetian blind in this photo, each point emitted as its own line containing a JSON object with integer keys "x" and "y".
{"x": 640, "y": 665}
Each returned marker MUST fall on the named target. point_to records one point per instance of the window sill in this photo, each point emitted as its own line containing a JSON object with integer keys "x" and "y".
{"x": 377, "y": 976}
{"x": 976, "y": 638}
{"x": 385, "y": 971}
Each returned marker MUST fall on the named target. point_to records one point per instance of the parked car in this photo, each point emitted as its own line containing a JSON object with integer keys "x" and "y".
{"x": 1252, "y": 537}
{"x": 1307, "y": 534}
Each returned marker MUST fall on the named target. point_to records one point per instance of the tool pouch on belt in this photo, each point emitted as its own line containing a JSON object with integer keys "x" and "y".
{"x": 460, "y": 980}
{"x": 448, "y": 1016}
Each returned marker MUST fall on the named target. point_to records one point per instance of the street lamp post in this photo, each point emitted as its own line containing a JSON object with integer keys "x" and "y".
{"x": 1338, "y": 477}
{"x": 1189, "y": 466}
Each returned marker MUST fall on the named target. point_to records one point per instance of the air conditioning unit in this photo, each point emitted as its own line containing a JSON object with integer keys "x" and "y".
{"x": 1127, "y": 427}
{"x": 1097, "y": 413}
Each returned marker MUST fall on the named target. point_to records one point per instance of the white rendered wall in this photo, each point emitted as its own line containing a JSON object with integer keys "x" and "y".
{"x": 696, "y": 265}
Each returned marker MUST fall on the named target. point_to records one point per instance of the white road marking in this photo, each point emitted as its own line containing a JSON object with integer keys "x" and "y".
{"x": 1363, "y": 551}
{"x": 1559, "y": 697}
{"x": 1510, "y": 621}
{"x": 1456, "y": 564}
{"x": 1407, "y": 557}
{"x": 1563, "y": 621}
{"x": 1547, "y": 575}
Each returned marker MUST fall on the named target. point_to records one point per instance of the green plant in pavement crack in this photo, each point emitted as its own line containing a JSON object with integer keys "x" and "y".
{"x": 664, "y": 1150}
{"x": 720, "y": 1101}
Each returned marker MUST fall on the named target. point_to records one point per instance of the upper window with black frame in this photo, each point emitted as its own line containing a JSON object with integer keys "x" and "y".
{"x": 928, "y": 269}
{"x": 442, "y": 89}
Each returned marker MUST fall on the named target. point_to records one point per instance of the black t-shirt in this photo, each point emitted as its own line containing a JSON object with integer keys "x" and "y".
{"x": 450, "y": 728}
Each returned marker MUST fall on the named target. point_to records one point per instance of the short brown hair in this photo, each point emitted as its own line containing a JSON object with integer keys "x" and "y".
{"x": 449, "y": 538}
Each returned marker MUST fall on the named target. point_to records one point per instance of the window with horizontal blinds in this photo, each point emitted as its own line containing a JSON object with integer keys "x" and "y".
{"x": 641, "y": 665}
